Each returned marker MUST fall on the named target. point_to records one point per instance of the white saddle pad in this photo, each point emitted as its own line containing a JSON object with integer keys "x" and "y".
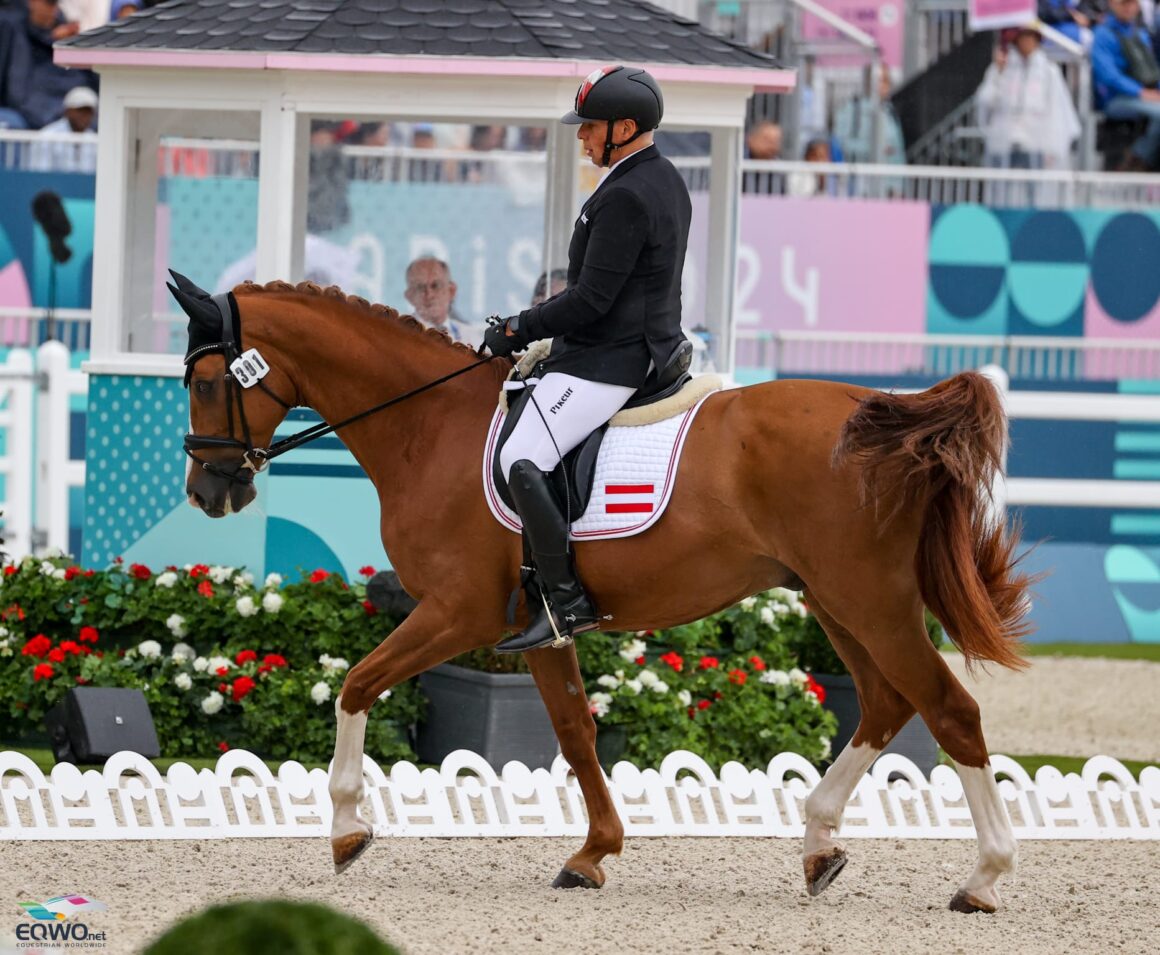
{"x": 635, "y": 473}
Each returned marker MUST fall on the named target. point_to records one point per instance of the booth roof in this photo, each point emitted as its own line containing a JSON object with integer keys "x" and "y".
{"x": 597, "y": 30}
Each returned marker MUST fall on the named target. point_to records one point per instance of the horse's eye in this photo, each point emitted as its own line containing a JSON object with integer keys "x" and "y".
{"x": 203, "y": 387}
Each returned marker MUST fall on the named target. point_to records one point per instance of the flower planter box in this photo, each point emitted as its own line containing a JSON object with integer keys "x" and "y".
{"x": 500, "y": 716}
{"x": 914, "y": 740}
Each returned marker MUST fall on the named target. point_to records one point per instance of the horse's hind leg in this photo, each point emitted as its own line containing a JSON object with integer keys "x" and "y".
{"x": 884, "y": 712}
{"x": 896, "y": 639}
{"x": 558, "y": 678}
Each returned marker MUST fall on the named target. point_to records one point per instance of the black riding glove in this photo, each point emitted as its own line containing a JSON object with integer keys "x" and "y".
{"x": 502, "y": 336}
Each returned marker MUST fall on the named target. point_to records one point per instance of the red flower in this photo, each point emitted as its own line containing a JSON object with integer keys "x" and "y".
{"x": 71, "y": 646}
{"x": 812, "y": 686}
{"x": 84, "y": 600}
{"x": 223, "y": 688}
{"x": 709, "y": 663}
{"x": 246, "y": 656}
{"x": 37, "y": 647}
{"x": 674, "y": 659}
{"x": 171, "y": 567}
{"x": 242, "y": 686}
{"x": 100, "y": 654}
{"x": 369, "y": 608}
{"x": 717, "y": 695}
{"x": 13, "y": 609}
{"x": 274, "y": 660}
{"x": 639, "y": 661}
{"x": 318, "y": 576}
{"x": 703, "y": 704}
{"x": 11, "y": 569}
{"x": 367, "y": 571}
{"x": 88, "y": 635}
{"x": 42, "y": 671}
{"x": 692, "y": 713}
{"x": 224, "y": 746}
{"x": 89, "y": 572}
{"x": 758, "y": 663}
{"x": 222, "y": 671}
{"x": 82, "y": 680}
{"x": 198, "y": 570}
{"x": 738, "y": 676}
{"x": 205, "y": 588}
{"x": 71, "y": 573}
{"x": 118, "y": 560}
{"x": 56, "y": 655}
{"x": 140, "y": 571}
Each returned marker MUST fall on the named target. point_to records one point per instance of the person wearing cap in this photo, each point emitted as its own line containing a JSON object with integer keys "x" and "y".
{"x": 1028, "y": 117}
{"x": 618, "y": 317}
{"x": 79, "y": 152}
{"x": 1126, "y": 80}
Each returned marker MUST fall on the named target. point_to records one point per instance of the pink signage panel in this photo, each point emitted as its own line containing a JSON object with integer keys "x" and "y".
{"x": 997, "y": 14}
{"x": 881, "y": 19}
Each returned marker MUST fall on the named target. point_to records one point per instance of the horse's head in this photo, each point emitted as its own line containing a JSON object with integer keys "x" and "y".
{"x": 232, "y": 412}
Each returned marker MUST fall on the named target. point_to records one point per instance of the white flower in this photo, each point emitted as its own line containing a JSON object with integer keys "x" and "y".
{"x": 632, "y": 649}
{"x": 660, "y": 687}
{"x": 272, "y": 602}
{"x": 609, "y": 681}
{"x": 776, "y": 677}
{"x": 176, "y": 625}
{"x": 216, "y": 663}
{"x": 273, "y": 580}
{"x": 150, "y": 649}
{"x": 320, "y": 692}
{"x": 182, "y": 652}
{"x": 599, "y": 704}
{"x": 212, "y": 703}
{"x": 384, "y": 694}
{"x": 201, "y": 664}
{"x": 798, "y": 677}
{"x": 58, "y": 574}
{"x": 3, "y": 631}
{"x": 767, "y": 617}
{"x": 219, "y": 574}
{"x": 243, "y": 580}
{"x": 826, "y": 750}
{"x": 748, "y": 603}
{"x": 685, "y": 697}
{"x": 182, "y": 681}
{"x": 47, "y": 567}
{"x": 246, "y": 606}
{"x": 333, "y": 663}
{"x": 167, "y": 579}
{"x": 635, "y": 685}
{"x": 648, "y": 678}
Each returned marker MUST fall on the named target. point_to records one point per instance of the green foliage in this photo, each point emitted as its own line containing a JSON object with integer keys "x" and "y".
{"x": 274, "y": 925}
{"x": 222, "y": 663}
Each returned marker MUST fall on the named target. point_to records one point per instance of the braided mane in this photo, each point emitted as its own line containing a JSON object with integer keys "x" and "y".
{"x": 334, "y": 293}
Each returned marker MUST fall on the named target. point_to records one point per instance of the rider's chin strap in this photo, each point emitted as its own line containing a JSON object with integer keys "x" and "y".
{"x": 609, "y": 145}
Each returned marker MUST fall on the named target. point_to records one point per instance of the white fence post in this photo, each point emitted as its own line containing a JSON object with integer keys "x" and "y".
{"x": 1002, "y": 383}
{"x": 52, "y": 446}
{"x": 16, "y": 383}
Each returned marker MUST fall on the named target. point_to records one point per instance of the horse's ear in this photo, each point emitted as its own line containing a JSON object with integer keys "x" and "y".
{"x": 205, "y": 322}
{"x": 187, "y": 286}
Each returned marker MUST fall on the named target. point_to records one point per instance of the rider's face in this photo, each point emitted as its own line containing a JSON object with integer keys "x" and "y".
{"x": 591, "y": 136}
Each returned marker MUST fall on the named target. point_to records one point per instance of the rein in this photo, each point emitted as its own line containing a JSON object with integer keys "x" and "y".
{"x": 255, "y": 459}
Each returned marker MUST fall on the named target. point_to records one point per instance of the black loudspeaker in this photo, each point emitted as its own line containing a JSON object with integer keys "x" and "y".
{"x": 92, "y": 723}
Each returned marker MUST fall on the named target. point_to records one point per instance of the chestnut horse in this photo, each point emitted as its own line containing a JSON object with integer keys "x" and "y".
{"x": 873, "y": 504}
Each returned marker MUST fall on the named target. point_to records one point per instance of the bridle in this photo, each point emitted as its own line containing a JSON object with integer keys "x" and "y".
{"x": 239, "y": 376}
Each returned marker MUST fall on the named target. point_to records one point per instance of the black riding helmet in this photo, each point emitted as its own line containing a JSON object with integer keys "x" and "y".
{"x": 618, "y": 92}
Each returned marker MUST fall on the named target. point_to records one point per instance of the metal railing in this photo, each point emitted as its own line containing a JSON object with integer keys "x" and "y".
{"x": 1021, "y": 357}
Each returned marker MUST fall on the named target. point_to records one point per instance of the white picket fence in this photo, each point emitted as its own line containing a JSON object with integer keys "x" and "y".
{"x": 241, "y": 797}
{"x": 36, "y": 389}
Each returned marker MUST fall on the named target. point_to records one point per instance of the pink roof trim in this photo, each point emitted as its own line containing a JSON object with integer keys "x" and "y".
{"x": 771, "y": 80}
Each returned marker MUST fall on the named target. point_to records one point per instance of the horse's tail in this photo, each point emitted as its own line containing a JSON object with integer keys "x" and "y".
{"x": 942, "y": 448}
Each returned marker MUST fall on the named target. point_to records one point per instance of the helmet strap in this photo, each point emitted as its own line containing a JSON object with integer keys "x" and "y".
{"x": 609, "y": 145}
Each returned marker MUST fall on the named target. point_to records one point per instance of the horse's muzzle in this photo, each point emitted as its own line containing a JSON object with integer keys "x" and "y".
{"x": 217, "y": 495}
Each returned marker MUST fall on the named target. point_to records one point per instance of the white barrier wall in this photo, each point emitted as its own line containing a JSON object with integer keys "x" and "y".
{"x": 130, "y": 799}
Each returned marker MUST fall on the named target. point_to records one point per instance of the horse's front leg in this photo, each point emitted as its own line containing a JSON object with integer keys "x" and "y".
{"x": 558, "y": 679}
{"x": 430, "y": 635}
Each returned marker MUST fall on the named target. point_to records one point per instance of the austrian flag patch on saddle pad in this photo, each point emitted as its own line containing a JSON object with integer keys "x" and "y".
{"x": 635, "y": 472}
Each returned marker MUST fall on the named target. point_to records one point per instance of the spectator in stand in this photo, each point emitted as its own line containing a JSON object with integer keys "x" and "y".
{"x": 15, "y": 64}
{"x": 80, "y": 119}
{"x": 542, "y": 292}
{"x": 47, "y": 82}
{"x": 431, "y": 292}
{"x": 1073, "y": 18}
{"x": 805, "y": 184}
{"x": 86, "y": 14}
{"x": 854, "y": 123}
{"x": 1029, "y": 120}
{"x": 763, "y": 142}
{"x": 1126, "y": 78}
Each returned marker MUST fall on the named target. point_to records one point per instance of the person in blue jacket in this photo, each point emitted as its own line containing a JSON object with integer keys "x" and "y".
{"x": 1118, "y": 93}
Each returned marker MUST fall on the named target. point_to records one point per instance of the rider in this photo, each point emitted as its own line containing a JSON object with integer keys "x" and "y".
{"x": 619, "y": 317}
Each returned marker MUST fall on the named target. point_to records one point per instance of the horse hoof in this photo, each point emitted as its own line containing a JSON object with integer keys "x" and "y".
{"x": 571, "y": 879}
{"x": 964, "y": 901}
{"x": 346, "y": 849}
{"x": 822, "y": 868}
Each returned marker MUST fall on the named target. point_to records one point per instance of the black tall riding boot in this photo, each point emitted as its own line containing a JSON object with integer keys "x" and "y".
{"x": 546, "y": 530}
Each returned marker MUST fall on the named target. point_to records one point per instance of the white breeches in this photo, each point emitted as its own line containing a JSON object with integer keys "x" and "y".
{"x": 573, "y": 408}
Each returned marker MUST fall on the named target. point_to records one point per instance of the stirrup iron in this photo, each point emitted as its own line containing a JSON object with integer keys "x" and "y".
{"x": 562, "y": 640}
